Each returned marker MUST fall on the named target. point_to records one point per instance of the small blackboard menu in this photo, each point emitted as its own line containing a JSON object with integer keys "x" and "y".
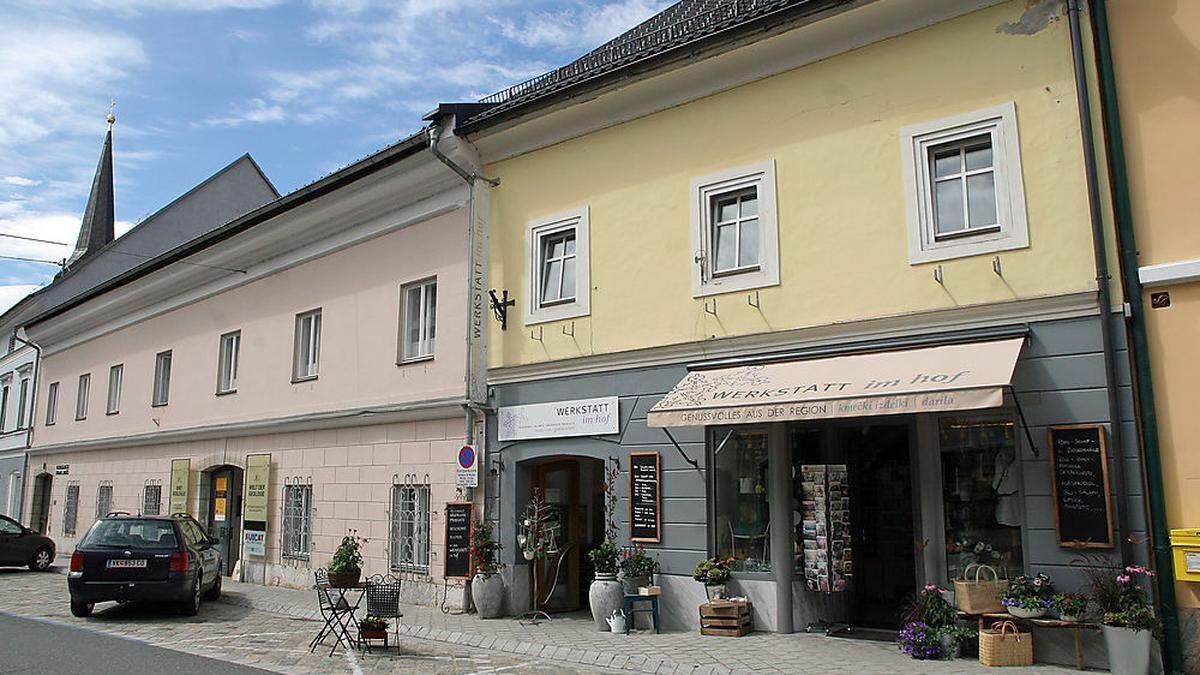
{"x": 645, "y": 497}
{"x": 1079, "y": 479}
{"x": 458, "y": 540}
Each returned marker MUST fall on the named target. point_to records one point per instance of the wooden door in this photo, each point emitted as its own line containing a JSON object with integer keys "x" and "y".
{"x": 558, "y": 483}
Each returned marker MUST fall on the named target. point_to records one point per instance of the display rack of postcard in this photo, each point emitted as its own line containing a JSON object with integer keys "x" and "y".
{"x": 828, "y": 555}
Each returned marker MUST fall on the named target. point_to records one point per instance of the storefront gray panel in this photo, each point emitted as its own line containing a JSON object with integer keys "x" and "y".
{"x": 7, "y": 468}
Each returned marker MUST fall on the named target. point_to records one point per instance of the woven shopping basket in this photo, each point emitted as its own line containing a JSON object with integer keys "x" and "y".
{"x": 979, "y": 595}
{"x": 1005, "y": 645}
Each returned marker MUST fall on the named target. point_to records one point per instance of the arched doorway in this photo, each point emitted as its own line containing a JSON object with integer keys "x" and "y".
{"x": 39, "y": 505}
{"x": 573, "y": 488}
{"x": 221, "y": 494}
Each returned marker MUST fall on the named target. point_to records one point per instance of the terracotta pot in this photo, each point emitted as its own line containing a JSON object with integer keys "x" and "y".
{"x": 605, "y": 596}
{"x": 488, "y": 594}
{"x": 344, "y": 579}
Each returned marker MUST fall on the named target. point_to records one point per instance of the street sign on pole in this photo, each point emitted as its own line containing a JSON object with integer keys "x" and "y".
{"x": 467, "y": 467}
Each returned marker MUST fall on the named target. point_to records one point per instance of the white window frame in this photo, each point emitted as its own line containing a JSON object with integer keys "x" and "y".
{"x": 83, "y": 392}
{"x": 5, "y": 390}
{"x": 51, "y": 404}
{"x": 704, "y": 192}
{"x": 535, "y": 231}
{"x": 303, "y": 372}
{"x": 415, "y": 529}
{"x": 116, "y": 375}
{"x": 427, "y": 318}
{"x": 162, "y": 378}
{"x": 295, "y": 535}
{"x": 229, "y": 351}
{"x": 24, "y": 416}
{"x": 1000, "y": 123}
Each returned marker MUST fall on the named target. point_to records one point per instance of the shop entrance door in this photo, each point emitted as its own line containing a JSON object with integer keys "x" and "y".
{"x": 570, "y": 487}
{"x": 39, "y": 515}
{"x": 225, "y": 513}
{"x": 878, "y": 459}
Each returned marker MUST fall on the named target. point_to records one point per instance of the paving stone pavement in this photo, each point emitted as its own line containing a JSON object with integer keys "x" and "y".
{"x": 237, "y": 633}
{"x": 574, "y": 639}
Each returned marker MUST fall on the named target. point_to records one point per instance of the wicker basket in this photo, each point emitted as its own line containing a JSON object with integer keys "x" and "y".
{"x": 1005, "y": 645}
{"x": 979, "y": 596}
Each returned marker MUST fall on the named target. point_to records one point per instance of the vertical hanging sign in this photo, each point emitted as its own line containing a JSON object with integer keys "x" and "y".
{"x": 477, "y": 331}
{"x": 258, "y": 483}
{"x": 181, "y": 474}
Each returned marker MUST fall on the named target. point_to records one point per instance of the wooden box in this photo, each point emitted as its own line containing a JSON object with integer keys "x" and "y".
{"x": 729, "y": 618}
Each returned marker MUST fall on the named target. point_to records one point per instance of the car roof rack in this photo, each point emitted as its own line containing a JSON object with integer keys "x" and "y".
{"x": 112, "y": 514}
{"x": 181, "y": 514}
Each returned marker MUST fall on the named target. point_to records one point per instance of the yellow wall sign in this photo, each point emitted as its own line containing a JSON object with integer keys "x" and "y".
{"x": 181, "y": 470}
{"x": 258, "y": 481}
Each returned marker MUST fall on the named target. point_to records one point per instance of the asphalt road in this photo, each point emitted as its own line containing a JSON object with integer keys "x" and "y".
{"x": 32, "y": 646}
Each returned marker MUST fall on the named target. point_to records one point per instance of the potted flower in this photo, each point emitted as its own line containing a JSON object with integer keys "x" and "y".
{"x": 487, "y": 587}
{"x": 1029, "y": 597}
{"x": 714, "y": 573}
{"x": 637, "y": 568}
{"x": 605, "y": 594}
{"x": 1127, "y": 617}
{"x": 1070, "y": 606}
{"x": 345, "y": 568}
{"x": 920, "y": 640}
{"x": 373, "y": 628}
{"x": 953, "y": 637}
{"x": 938, "y": 617}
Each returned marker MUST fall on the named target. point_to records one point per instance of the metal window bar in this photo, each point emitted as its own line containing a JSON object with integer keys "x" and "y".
{"x": 71, "y": 510}
{"x": 409, "y": 533}
{"x": 103, "y": 501}
{"x": 152, "y": 500}
{"x": 297, "y": 509}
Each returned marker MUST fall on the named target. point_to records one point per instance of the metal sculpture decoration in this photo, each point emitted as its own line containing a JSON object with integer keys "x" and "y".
{"x": 538, "y": 536}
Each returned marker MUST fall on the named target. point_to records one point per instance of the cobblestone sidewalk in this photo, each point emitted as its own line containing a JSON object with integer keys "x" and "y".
{"x": 575, "y": 640}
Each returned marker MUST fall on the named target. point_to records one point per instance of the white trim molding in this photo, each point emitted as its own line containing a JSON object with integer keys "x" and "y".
{"x": 704, "y": 190}
{"x": 1165, "y": 274}
{"x": 575, "y": 220}
{"x": 999, "y": 123}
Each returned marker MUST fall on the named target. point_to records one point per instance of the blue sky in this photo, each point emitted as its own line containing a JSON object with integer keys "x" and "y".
{"x": 305, "y": 86}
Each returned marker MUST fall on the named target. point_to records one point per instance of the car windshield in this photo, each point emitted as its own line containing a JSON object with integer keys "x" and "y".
{"x": 131, "y": 533}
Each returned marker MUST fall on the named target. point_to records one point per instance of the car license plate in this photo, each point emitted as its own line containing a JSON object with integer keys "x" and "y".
{"x": 126, "y": 563}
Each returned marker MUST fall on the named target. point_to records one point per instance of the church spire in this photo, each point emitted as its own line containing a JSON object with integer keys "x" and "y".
{"x": 97, "y": 228}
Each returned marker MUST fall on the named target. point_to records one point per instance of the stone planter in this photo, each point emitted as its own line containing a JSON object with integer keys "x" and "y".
{"x": 1128, "y": 650}
{"x": 632, "y": 584}
{"x": 604, "y": 596}
{"x": 1022, "y": 613}
{"x": 488, "y": 594}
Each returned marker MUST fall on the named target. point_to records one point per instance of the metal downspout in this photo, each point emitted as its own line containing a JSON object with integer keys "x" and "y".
{"x": 1103, "y": 277}
{"x": 1139, "y": 343}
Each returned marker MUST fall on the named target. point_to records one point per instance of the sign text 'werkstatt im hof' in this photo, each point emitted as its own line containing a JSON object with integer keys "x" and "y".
{"x": 582, "y": 417}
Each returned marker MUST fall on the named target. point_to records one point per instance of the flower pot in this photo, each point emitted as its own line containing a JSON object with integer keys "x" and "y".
{"x": 632, "y": 584}
{"x": 715, "y": 591}
{"x": 488, "y": 594}
{"x": 1022, "y": 613}
{"x": 373, "y": 633}
{"x": 951, "y": 648}
{"x": 1128, "y": 650}
{"x": 605, "y": 596}
{"x": 344, "y": 579}
{"x": 1070, "y": 617}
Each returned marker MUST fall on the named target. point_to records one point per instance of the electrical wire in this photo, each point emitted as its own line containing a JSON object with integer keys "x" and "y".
{"x": 32, "y": 260}
{"x": 40, "y": 241}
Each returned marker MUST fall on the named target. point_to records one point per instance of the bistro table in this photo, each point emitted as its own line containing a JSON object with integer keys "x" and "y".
{"x": 338, "y": 605}
{"x": 1077, "y": 628}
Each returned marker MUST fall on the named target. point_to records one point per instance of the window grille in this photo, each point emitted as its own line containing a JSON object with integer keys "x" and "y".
{"x": 152, "y": 500}
{"x": 297, "y": 521}
{"x": 71, "y": 510}
{"x": 103, "y": 501}
{"x": 408, "y": 541}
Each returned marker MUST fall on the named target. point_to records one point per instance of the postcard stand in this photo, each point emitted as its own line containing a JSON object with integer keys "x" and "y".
{"x": 828, "y": 554}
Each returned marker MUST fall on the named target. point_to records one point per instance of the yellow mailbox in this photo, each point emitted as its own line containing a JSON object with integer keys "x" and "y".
{"x": 1185, "y": 544}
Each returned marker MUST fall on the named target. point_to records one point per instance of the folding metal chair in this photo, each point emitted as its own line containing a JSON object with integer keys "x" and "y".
{"x": 383, "y": 601}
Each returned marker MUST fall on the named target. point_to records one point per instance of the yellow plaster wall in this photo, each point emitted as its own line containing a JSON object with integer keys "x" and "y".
{"x": 833, "y": 129}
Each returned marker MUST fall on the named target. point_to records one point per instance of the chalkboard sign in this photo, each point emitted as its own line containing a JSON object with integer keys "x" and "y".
{"x": 645, "y": 497}
{"x": 458, "y": 540}
{"x": 1079, "y": 479}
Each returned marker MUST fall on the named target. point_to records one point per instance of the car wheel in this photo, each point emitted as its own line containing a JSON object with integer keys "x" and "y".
{"x": 214, "y": 592}
{"x": 191, "y": 606}
{"x": 41, "y": 560}
{"x": 82, "y": 609}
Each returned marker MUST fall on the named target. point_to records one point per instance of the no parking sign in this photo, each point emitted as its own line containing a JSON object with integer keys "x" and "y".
{"x": 467, "y": 465}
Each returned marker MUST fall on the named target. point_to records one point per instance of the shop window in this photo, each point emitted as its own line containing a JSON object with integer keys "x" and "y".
{"x": 104, "y": 497}
{"x": 742, "y": 500}
{"x": 297, "y": 521}
{"x": 152, "y": 500}
{"x": 71, "y": 510}
{"x": 51, "y": 403}
{"x": 735, "y": 230}
{"x": 408, "y": 543}
{"x": 558, "y": 279}
{"x": 981, "y": 491}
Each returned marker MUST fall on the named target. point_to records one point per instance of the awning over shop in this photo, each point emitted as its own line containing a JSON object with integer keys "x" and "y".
{"x": 928, "y": 379}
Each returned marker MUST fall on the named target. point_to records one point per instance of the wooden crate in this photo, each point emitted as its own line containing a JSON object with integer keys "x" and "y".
{"x": 727, "y": 618}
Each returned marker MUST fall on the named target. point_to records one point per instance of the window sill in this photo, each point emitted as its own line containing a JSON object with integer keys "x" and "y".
{"x": 735, "y": 282}
{"x": 226, "y": 392}
{"x": 967, "y": 246}
{"x": 159, "y": 405}
{"x": 112, "y": 412}
{"x": 415, "y": 359}
{"x": 306, "y": 378}
{"x": 551, "y": 313}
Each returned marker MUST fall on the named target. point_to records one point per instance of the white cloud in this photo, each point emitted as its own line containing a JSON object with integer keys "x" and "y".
{"x": 19, "y": 181}
{"x": 14, "y": 293}
{"x": 580, "y": 28}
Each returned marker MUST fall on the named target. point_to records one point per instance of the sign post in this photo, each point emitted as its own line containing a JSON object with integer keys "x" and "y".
{"x": 181, "y": 474}
{"x": 258, "y": 483}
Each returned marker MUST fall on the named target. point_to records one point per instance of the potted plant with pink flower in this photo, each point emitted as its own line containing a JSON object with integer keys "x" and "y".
{"x": 1028, "y": 597}
{"x": 1127, "y": 617}
{"x": 1070, "y": 606}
